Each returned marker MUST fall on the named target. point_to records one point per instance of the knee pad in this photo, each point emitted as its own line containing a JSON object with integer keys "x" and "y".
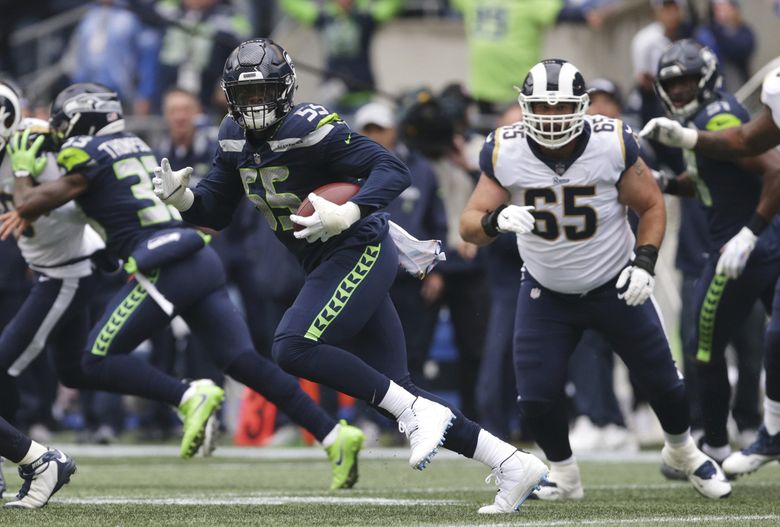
{"x": 535, "y": 409}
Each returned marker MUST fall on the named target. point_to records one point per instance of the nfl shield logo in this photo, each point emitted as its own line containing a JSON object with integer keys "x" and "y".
{"x": 256, "y": 156}
{"x": 535, "y": 292}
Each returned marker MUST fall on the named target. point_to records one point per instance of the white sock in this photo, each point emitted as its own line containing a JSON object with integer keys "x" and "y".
{"x": 491, "y": 450}
{"x": 565, "y": 463}
{"x": 331, "y": 437}
{"x": 36, "y": 451}
{"x": 396, "y": 400}
{"x": 716, "y": 452}
{"x": 678, "y": 440}
{"x": 772, "y": 416}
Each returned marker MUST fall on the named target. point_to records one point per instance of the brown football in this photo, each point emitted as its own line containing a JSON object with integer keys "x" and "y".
{"x": 338, "y": 193}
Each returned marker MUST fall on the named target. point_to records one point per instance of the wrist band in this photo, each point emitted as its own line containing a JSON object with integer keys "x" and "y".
{"x": 757, "y": 224}
{"x": 646, "y": 256}
{"x": 490, "y": 222}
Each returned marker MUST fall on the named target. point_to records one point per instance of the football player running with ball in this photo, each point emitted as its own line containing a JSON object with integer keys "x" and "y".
{"x": 342, "y": 330}
{"x": 107, "y": 172}
{"x": 750, "y": 139}
{"x": 562, "y": 181}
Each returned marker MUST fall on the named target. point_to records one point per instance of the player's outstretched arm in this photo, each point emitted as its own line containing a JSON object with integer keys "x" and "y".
{"x": 478, "y": 222}
{"x": 34, "y": 201}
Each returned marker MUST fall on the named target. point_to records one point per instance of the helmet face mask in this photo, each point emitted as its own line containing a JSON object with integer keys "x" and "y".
{"x": 554, "y": 103}
{"x": 259, "y": 82}
{"x": 687, "y": 78}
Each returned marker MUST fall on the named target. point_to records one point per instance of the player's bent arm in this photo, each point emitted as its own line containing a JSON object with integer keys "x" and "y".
{"x": 216, "y": 197}
{"x": 487, "y": 196}
{"x": 31, "y": 201}
{"x": 768, "y": 165}
{"x": 752, "y": 138}
{"x": 638, "y": 190}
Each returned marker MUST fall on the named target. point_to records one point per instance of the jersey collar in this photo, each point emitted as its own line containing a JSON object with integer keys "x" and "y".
{"x": 559, "y": 166}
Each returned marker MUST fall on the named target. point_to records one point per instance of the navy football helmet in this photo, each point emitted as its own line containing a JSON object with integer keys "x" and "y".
{"x": 554, "y": 81}
{"x": 259, "y": 83}
{"x": 687, "y": 59}
{"x": 10, "y": 111}
{"x": 86, "y": 108}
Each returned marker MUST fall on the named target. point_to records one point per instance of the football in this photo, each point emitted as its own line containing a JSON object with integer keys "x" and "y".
{"x": 338, "y": 193}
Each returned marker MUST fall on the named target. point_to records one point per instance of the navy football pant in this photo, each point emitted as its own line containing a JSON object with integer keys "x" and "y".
{"x": 723, "y": 307}
{"x": 344, "y": 332}
{"x": 196, "y": 287}
{"x": 55, "y": 314}
{"x": 11, "y": 301}
{"x": 13, "y": 444}
{"x": 772, "y": 349}
{"x": 547, "y": 329}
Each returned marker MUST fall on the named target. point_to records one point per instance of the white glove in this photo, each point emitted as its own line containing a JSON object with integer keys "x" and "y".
{"x": 640, "y": 285}
{"x": 328, "y": 219}
{"x": 516, "y": 219}
{"x": 670, "y": 133}
{"x": 734, "y": 255}
{"x": 171, "y": 186}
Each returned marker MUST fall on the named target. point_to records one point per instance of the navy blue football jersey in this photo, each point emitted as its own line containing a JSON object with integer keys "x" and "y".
{"x": 119, "y": 202}
{"x": 729, "y": 194}
{"x": 311, "y": 147}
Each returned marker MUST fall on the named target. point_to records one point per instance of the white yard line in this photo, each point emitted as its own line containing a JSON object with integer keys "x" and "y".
{"x": 251, "y": 500}
{"x": 735, "y": 519}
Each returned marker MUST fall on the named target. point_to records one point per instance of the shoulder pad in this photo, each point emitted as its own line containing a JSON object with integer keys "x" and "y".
{"x": 304, "y": 119}
{"x": 231, "y": 136}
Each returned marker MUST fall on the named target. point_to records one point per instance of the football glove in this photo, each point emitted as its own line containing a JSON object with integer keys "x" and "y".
{"x": 171, "y": 186}
{"x": 637, "y": 278}
{"x": 516, "y": 219}
{"x": 670, "y": 133}
{"x": 24, "y": 156}
{"x": 735, "y": 253}
{"x": 328, "y": 219}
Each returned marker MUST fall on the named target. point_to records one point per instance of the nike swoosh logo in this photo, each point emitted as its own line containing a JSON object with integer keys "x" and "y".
{"x": 200, "y": 403}
{"x": 340, "y": 460}
{"x": 62, "y": 458}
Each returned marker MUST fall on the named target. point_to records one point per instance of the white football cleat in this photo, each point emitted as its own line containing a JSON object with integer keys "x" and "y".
{"x": 701, "y": 470}
{"x": 517, "y": 477}
{"x": 42, "y": 478}
{"x": 764, "y": 449}
{"x": 425, "y": 423}
{"x": 563, "y": 483}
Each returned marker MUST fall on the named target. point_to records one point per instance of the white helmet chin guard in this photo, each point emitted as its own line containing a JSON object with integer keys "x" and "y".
{"x": 554, "y": 81}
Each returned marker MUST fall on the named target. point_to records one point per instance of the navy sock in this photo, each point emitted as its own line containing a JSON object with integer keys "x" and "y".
{"x": 266, "y": 378}
{"x": 13, "y": 444}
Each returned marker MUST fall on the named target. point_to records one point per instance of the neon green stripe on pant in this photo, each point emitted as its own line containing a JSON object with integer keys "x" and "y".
{"x": 709, "y": 309}
{"x": 343, "y": 292}
{"x": 120, "y": 315}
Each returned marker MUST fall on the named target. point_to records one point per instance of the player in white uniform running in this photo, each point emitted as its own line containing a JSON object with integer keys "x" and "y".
{"x": 44, "y": 471}
{"x": 563, "y": 181}
{"x": 752, "y": 138}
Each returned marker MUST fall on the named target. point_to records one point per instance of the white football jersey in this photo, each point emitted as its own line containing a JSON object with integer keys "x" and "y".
{"x": 582, "y": 238}
{"x": 59, "y": 237}
{"x": 770, "y": 94}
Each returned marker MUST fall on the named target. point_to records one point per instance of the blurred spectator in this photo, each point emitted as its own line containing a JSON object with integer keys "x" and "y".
{"x": 605, "y": 98}
{"x": 504, "y": 39}
{"x": 347, "y": 29}
{"x": 420, "y": 211}
{"x": 112, "y": 46}
{"x": 593, "y": 12}
{"x": 427, "y": 126}
{"x": 731, "y": 39}
{"x": 198, "y": 37}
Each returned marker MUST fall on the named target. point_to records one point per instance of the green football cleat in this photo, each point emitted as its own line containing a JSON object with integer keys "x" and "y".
{"x": 201, "y": 402}
{"x": 343, "y": 456}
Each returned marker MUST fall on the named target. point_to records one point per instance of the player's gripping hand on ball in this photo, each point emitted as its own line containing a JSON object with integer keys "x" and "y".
{"x": 327, "y": 221}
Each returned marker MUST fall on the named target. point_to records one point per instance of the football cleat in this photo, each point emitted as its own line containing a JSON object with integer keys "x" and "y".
{"x": 563, "y": 483}
{"x": 517, "y": 477}
{"x": 343, "y": 456}
{"x": 210, "y": 436}
{"x": 701, "y": 470}
{"x": 202, "y": 400}
{"x": 672, "y": 474}
{"x": 764, "y": 449}
{"x": 42, "y": 478}
{"x": 425, "y": 423}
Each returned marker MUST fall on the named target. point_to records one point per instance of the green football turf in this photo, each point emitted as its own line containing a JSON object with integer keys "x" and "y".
{"x": 141, "y": 491}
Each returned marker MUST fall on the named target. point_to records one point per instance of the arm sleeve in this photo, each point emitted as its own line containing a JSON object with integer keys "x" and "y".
{"x": 385, "y": 175}
{"x": 216, "y": 197}
{"x": 304, "y": 11}
{"x": 630, "y": 147}
{"x": 486, "y": 155}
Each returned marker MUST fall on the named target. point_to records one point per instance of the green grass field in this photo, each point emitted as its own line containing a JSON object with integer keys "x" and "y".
{"x": 136, "y": 487}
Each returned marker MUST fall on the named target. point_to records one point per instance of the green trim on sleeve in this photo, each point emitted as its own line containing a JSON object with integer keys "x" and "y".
{"x": 723, "y": 121}
{"x": 70, "y": 157}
